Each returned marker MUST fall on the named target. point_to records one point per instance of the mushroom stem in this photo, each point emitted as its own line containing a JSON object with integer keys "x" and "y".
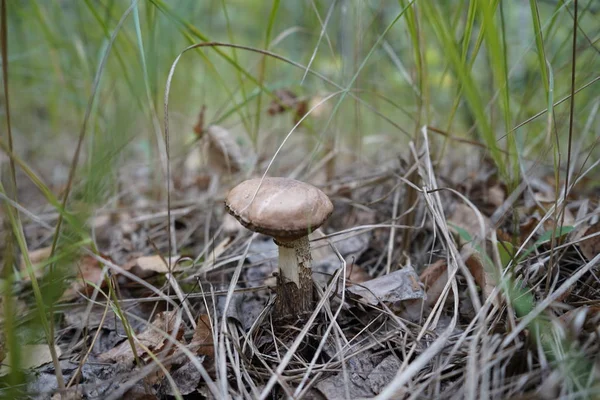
{"x": 294, "y": 282}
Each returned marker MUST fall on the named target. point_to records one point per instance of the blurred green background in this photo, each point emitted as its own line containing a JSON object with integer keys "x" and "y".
{"x": 474, "y": 69}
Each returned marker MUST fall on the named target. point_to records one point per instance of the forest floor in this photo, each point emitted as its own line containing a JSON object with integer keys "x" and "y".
{"x": 433, "y": 279}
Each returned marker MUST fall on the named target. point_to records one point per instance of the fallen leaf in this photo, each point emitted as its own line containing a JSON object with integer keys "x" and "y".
{"x": 590, "y": 247}
{"x": 222, "y": 152}
{"x": 300, "y": 111}
{"x": 38, "y": 259}
{"x": 483, "y": 277}
{"x": 202, "y": 182}
{"x": 88, "y": 269}
{"x": 526, "y": 227}
{"x": 356, "y": 274}
{"x": 191, "y": 165}
{"x": 153, "y": 338}
{"x": 202, "y": 341}
{"x": 477, "y": 270}
{"x": 245, "y": 308}
{"x": 569, "y": 220}
{"x": 32, "y": 356}
{"x": 146, "y": 266}
{"x": 465, "y": 218}
{"x": 391, "y": 288}
{"x": 545, "y": 201}
{"x": 496, "y": 195}
{"x": 286, "y": 100}
{"x": 434, "y": 277}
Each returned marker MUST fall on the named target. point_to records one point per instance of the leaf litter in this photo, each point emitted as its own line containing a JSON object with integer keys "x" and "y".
{"x": 416, "y": 331}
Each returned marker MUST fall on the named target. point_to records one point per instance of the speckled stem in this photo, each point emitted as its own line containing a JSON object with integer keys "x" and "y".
{"x": 294, "y": 282}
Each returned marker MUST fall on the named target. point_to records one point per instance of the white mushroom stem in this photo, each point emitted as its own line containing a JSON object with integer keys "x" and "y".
{"x": 294, "y": 283}
{"x": 293, "y": 256}
{"x": 288, "y": 265}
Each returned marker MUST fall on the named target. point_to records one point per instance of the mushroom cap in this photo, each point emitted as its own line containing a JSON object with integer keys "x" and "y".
{"x": 223, "y": 153}
{"x": 285, "y": 209}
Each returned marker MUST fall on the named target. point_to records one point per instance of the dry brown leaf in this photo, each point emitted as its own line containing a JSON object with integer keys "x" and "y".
{"x": 222, "y": 152}
{"x": 525, "y": 228}
{"x": 202, "y": 182}
{"x": 300, "y": 111}
{"x": 504, "y": 236}
{"x": 569, "y": 220}
{"x": 466, "y": 218}
{"x": 88, "y": 270}
{"x": 545, "y": 198}
{"x": 482, "y": 277}
{"x": 591, "y": 247}
{"x": 357, "y": 274}
{"x": 152, "y": 338}
{"x": 547, "y": 201}
{"x": 477, "y": 270}
{"x": 286, "y": 99}
{"x": 32, "y": 356}
{"x": 146, "y": 266}
{"x": 202, "y": 341}
{"x": 496, "y": 195}
{"x": 38, "y": 258}
{"x": 434, "y": 277}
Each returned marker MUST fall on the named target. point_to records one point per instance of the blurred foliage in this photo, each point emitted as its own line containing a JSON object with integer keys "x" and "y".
{"x": 55, "y": 49}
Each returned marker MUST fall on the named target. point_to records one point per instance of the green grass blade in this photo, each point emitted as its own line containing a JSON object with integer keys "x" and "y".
{"x": 263, "y": 69}
{"x": 539, "y": 42}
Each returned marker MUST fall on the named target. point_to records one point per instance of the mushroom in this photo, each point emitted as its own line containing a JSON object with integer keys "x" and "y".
{"x": 220, "y": 149}
{"x": 287, "y": 210}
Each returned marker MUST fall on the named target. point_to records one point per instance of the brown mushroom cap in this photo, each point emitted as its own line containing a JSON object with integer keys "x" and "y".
{"x": 285, "y": 209}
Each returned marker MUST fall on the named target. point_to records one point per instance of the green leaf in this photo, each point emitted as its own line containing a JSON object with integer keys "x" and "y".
{"x": 506, "y": 251}
{"x": 547, "y": 236}
{"x": 462, "y": 233}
